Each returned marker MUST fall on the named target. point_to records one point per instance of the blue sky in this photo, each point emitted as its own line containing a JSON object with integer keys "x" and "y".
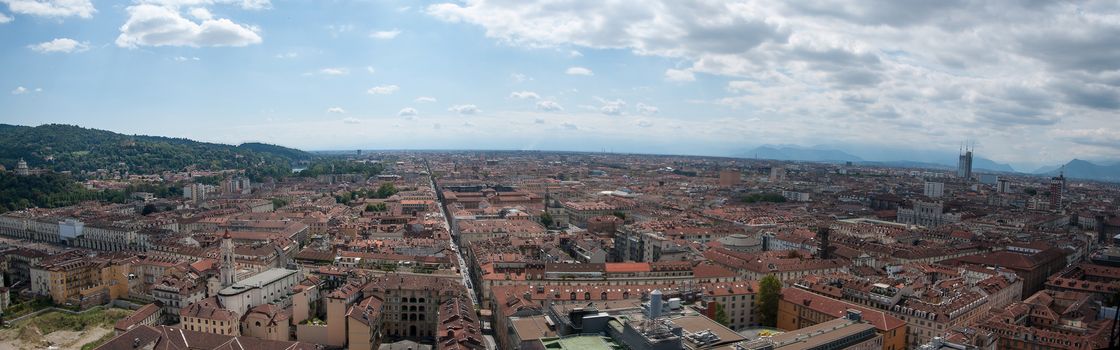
{"x": 674, "y": 76}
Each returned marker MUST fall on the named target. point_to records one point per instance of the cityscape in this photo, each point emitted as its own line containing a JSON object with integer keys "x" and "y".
{"x": 550, "y": 175}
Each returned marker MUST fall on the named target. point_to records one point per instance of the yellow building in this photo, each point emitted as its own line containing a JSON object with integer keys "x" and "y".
{"x": 210, "y": 316}
{"x": 76, "y": 279}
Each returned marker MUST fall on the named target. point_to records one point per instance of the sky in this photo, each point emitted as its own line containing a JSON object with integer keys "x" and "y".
{"x": 1030, "y": 83}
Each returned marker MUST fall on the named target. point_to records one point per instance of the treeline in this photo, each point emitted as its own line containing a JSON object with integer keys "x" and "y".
{"x": 70, "y": 148}
{"x": 764, "y": 197}
{"x": 48, "y": 191}
{"x": 324, "y": 166}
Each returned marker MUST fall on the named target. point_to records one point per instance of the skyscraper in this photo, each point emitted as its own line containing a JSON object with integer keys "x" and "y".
{"x": 964, "y": 164}
{"x": 1057, "y": 189}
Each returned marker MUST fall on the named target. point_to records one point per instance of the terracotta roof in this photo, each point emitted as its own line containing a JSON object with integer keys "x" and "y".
{"x": 881, "y": 320}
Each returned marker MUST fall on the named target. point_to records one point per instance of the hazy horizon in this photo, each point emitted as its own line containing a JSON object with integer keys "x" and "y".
{"x": 1031, "y": 84}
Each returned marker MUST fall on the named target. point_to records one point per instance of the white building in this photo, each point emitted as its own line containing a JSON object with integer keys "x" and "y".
{"x": 934, "y": 189}
{"x": 273, "y": 286}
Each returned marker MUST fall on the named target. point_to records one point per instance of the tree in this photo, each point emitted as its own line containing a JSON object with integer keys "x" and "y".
{"x": 386, "y": 189}
{"x": 766, "y": 304}
{"x": 546, "y": 219}
{"x": 721, "y": 315}
{"x": 620, "y": 215}
{"x": 1030, "y": 191}
{"x": 377, "y": 207}
{"x": 148, "y": 209}
{"x": 278, "y": 203}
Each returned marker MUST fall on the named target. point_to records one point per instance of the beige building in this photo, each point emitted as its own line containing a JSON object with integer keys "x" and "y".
{"x": 210, "y": 316}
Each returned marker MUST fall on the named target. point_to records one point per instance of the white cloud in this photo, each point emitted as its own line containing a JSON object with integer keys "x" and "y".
{"x": 370, "y": 70}
{"x": 644, "y": 123}
{"x": 244, "y": 4}
{"x": 579, "y": 71}
{"x": 287, "y": 55}
{"x": 549, "y": 106}
{"x": 335, "y": 71}
{"x": 52, "y": 8}
{"x": 4, "y": 18}
{"x": 524, "y": 95}
{"x": 201, "y": 13}
{"x": 385, "y": 34}
{"x": 575, "y": 53}
{"x": 609, "y": 107}
{"x": 922, "y": 73}
{"x": 425, "y": 99}
{"x": 152, "y": 25}
{"x": 679, "y": 75}
{"x": 520, "y": 78}
{"x": 646, "y": 109}
{"x": 408, "y": 112}
{"x": 60, "y": 45}
{"x": 339, "y": 29}
{"x": 336, "y": 110}
{"x": 538, "y": 121}
{"x": 351, "y": 120}
{"x": 464, "y": 109}
{"x": 184, "y": 58}
{"x": 382, "y": 89}
{"x": 569, "y": 125}
{"x": 19, "y": 90}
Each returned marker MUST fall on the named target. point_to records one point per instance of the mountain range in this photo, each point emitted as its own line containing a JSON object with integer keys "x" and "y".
{"x": 824, "y": 154}
{"x": 1076, "y": 169}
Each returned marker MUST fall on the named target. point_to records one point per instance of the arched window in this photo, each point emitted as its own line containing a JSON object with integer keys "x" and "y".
{"x": 586, "y": 295}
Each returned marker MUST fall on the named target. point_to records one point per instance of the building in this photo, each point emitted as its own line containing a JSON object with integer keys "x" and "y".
{"x": 210, "y": 315}
{"x": 226, "y": 260}
{"x": 1033, "y": 267}
{"x": 850, "y": 332}
{"x": 147, "y": 315}
{"x": 1050, "y": 320}
{"x": 267, "y": 321}
{"x": 777, "y": 174}
{"x": 1003, "y": 186}
{"x": 21, "y": 168}
{"x": 272, "y": 286}
{"x": 729, "y": 178}
{"x": 964, "y": 165}
{"x": 75, "y": 279}
{"x": 164, "y": 337}
{"x": 928, "y": 214}
{"x": 934, "y": 189}
{"x": 1057, "y": 191}
{"x": 800, "y": 308}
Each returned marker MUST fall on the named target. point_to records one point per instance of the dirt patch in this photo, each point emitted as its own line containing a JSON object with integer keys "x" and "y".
{"x": 71, "y": 340}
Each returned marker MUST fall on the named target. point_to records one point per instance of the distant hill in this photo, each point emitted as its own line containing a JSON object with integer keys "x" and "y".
{"x": 979, "y": 163}
{"x": 78, "y": 150}
{"x": 799, "y": 154}
{"x": 290, "y": 153}
{"x": 1082, "y": 169}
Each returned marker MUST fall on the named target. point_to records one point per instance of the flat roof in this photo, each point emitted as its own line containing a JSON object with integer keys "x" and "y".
{"x": 531, "y": 328}
{"x": 582, "y": 342}
{"x": 694, "y": 324}
{"x": 264, "y": 278}
{"x": 821, "y": 333}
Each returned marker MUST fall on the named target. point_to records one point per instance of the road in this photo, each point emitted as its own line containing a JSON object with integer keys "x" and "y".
{"x": 464, "y": 271}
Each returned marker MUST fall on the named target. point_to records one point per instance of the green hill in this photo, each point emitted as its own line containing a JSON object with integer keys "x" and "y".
{"x": 81, "y": 150}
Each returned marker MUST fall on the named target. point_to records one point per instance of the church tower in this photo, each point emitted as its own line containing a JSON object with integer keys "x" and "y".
{"x": 227, "y": 260}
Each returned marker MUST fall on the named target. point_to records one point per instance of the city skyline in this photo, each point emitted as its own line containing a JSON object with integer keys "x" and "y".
{"x": 704, "y": 78}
